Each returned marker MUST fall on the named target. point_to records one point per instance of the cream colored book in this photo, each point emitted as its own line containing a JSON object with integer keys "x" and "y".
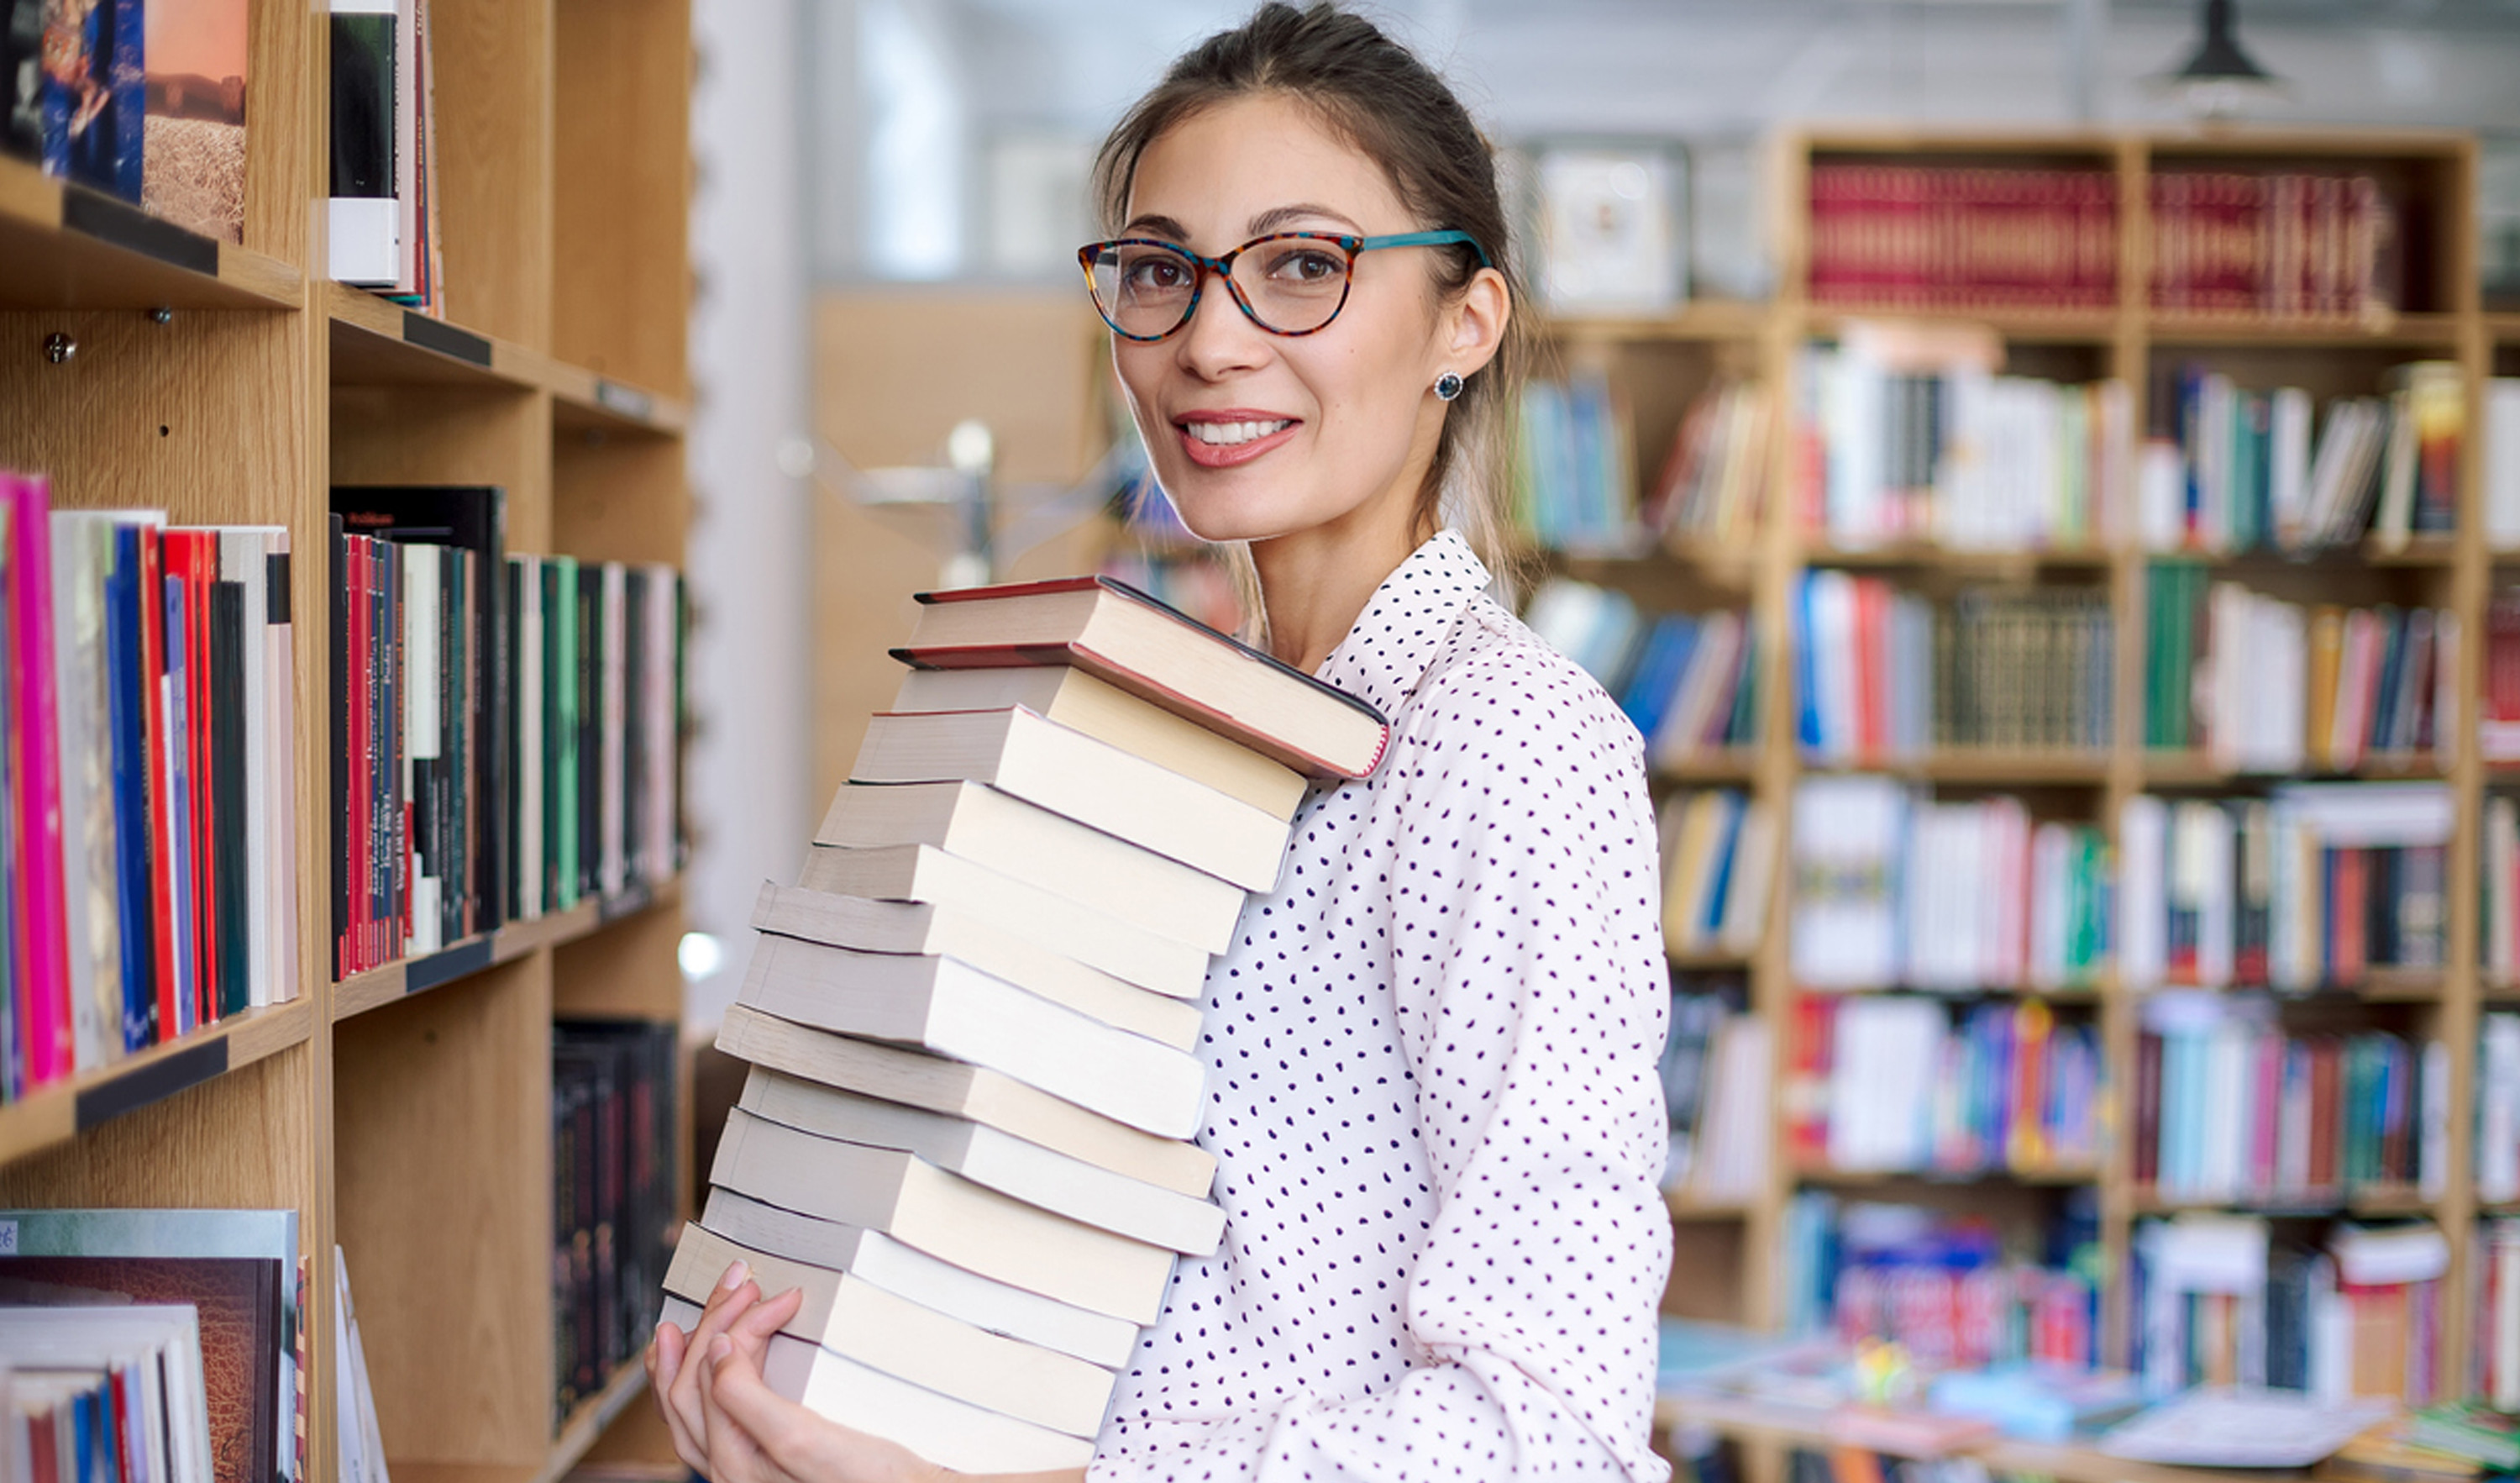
{"x": 993, "y": 1159}
{"x": 948, "y": 1217}
{"x": 1076, "y": 699}
{"x": 948, "y": 1432}
{"x": 1073, "y": 774}
{"x": 849, "y": 1315}
{"x": 920, "y": 872}
{"x": 1040, "y": 848}
{"x": 918, "y": 927}
{"x": 955, "y": 1010}
{"x": 1098, "y": 1338}
{"x": 917, "y": 1079}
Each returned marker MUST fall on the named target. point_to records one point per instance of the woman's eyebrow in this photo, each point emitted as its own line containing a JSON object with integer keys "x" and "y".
{"x": 1276, "y": 218}
{"x": 1157, "y": 225}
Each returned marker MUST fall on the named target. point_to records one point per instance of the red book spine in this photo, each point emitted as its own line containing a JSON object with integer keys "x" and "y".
{"x": 2345, "y": 922}
{"x": 162, "y": 797}
{"x": 2324, "y": 1125}
{"x": 201, "y": 573}
{"x": 362, "y": 845}
{"x": 1870, "y": 705}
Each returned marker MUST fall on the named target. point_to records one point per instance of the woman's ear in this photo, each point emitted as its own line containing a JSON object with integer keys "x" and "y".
{"x": 1474, "y": 322}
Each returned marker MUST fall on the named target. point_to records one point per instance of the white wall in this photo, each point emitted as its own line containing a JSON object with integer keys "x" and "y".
{"x": 750, "y": 539}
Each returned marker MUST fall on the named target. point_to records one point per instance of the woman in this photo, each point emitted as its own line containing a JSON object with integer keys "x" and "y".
{"x": 1432, "y": 1053}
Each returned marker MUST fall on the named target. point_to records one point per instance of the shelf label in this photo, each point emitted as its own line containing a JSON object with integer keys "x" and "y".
{"x": 8, "y": 1238}
{"x": 629, "y": 401}
{"x": 156, "y": 1081}
{"x": 94, "y": 215}
{"x": 444, "y": 338}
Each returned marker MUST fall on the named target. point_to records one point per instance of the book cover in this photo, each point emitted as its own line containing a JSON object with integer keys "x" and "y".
{"x": 93, "y": 94}
{"x": 194, "y": 136}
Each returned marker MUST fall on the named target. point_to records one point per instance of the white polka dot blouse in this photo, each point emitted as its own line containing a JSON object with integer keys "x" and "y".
{"x": 1432, "y": 1094}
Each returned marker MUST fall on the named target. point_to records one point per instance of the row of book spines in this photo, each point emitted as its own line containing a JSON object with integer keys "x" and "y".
{"x": 147, "y": 867}
{"x": 2250, "y": 476}
{"x": 2229, "y": 914}
{"x": 1975, "y": 238}
{"x": 2500, "y": 700}
{"x": 2364, "y": 680}
{"x": 426, "y": 855}
{"x": 2293, "y": 244}
{"x": 1718, "y": 860}
{"x": 614, "y": 1195}
{"x": 2028, "y": 1090}
{"x": 2029, "y": 460}
{"x": 1881, "y": 672}
{"x": 1714, "y": 480}
{"x": 1576, "y": 483}
{"x": 1970, "y": 1315}
{"x": 2313, "y": 1327}
{"x": 2282, "y": 1115}
{"x": 2493, "y": 1347}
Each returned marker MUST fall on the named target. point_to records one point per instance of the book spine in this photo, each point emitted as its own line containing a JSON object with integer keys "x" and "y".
{"x": 40, "y": 947}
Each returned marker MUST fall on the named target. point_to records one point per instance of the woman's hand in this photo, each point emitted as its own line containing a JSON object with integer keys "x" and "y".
{"x": 730, "y": 1427}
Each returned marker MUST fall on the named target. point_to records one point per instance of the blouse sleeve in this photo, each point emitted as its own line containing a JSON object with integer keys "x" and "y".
{"x": 1531, "y": 994}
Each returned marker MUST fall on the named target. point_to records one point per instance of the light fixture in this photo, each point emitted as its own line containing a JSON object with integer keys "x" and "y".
{"x": 2219, "y": 79}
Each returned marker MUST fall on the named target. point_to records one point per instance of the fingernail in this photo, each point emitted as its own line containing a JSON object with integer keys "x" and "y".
{"x": 735, "y": 1275}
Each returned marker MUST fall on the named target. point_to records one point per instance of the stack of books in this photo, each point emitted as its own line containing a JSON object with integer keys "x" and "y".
{"x": 965, "y": 1134}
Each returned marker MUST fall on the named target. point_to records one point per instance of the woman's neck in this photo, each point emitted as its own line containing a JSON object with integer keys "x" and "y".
{"x": 1315, "y": 583}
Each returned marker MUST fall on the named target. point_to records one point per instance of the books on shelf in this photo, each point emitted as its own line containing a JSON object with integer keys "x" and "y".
{"x": 148, "y": 877}
{"x": 2502, "y": 475}
{"x": 2313, "y": 886}
{"x": 1953, "y": 1289}
{"x": 2265, "y": 685}
{"x": 1881, "y": 673}
{"x": 508, "y": 727}
{"x": 1719, "y": 864}
{"x": 2230, "y": 1108}
{"x": 1942, "y": 237}
{"x": 1891, "y": 888}
{"x": 1916, "y": 437}
{"x": 965, "y": 1129}
{"x": 362, "y": 1441}
{"x": 1714, "y": 482}
{"x": 2352, "y": 1315}
{"x": 2497, "y": 720}
{"x": 1883, "y": 1084}
{"x": 2243, "y": 471}
{"x": 1690, "y": 682}
{"x": 2494, "y": 1339}
{"x": 1575, "y": 480}
{"x": 240, "y": 1270}
{"x": 616, "y": 1190}
{"x": 382, "y": 223}
{"x": 104, "y": 1395}
{"x": 1715, "y": 1079}
{"x": 2289, "y": 244}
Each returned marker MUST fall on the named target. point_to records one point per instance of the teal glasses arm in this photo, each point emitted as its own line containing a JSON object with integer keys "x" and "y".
{"x": 1425, "y": 240}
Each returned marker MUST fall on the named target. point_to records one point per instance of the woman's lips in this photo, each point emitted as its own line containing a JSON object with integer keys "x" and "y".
{"x": 1228, "y": 455}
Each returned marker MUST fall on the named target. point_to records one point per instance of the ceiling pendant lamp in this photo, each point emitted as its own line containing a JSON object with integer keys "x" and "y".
{"x": 2219, "y": 79}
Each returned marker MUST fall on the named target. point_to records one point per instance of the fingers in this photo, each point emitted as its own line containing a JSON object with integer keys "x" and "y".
{"x": 758, "y": 1322}
{"x": 728, "y": 1302}
{"x": 735, "y": 1455}
{"x": 667, "y": 1355}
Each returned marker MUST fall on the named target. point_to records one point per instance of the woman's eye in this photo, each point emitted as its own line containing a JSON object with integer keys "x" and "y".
{"x": 1306, "y": 265}
{"x": 1156, "y": 273}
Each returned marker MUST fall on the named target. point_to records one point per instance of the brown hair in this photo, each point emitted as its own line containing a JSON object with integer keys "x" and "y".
{"x": 1394, "y": 109}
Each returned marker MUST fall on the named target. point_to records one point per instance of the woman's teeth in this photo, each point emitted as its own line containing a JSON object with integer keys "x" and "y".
{"x": 1229, "y": 433}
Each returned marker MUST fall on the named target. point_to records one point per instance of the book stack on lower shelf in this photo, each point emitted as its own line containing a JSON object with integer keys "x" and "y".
{"x": 148, "y": 882}
{"x": 153, "y": 1346}
{"x": 965, "y": 1131}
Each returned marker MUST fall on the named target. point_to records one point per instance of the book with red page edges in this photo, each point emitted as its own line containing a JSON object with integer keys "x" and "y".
{"x": 1120, "y": 635}
{"x": 40, "y": 952}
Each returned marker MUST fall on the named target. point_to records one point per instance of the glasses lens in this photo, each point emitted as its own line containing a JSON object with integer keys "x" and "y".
{"x": 1143, "y": 290}
{"x": 1293, "y": 284}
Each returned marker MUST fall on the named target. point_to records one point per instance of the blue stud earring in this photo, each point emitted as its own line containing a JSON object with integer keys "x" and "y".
{"x": 1448, "y": 387}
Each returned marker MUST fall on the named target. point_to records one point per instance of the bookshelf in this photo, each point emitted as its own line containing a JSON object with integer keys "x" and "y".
{"x": 1729, "y": 1253}
{"x": 403, "y": 1112}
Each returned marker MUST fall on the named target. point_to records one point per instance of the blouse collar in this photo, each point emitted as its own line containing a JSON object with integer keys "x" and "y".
{"x": 1406, "y": 620}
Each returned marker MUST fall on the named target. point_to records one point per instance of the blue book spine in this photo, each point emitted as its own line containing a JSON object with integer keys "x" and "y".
{"x": 1805, "y": 666}
{"x": 179, "y": 809}
{"x": 1735, "y": 808}
{"x": 125, "y": 722}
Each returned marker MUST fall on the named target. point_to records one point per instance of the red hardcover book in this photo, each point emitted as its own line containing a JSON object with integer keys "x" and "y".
{"x": 1125, "y": 638}
{"x": 2351, "y": 950}
{"x": 192, "y": 566}
{"x": 1870, "y": 593}
{"x": 2327, "y": 1125}
{"x": 161, "y": 778}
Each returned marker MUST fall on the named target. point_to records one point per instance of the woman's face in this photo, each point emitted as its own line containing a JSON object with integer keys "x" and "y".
{"x": 1254, "y": 435}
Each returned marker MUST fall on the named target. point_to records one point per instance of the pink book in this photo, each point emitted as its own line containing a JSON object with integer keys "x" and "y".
{"x": 42, "y": 948}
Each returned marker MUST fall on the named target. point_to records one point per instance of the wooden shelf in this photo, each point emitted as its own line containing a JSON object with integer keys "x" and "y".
{"x": 377, "y": 343}
{"x": 1684, "y": 1206}
{"x": 1992, "y": 766}
{"x": 2368, "y": 1199}
{"x": 57, "y": 1114}
{"x": 2025, "y": 561}
{"x": 361, "y": 991}
{"x": 2095, "y": 328}
{"x": 1824, "y": 1174}
{"x": 2503, "y": 327}
{"x": 1709, "y": 963}
{"x": 577, "y": 1434}
{"x": 65, "y": 247}
{"x": 1699, "y": 321}
{"x": 2420, "y": 551}
{"x": 2410, "y": 332}
{"x": 2195, "y": 769}
{"x": 1729, "y": 764}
